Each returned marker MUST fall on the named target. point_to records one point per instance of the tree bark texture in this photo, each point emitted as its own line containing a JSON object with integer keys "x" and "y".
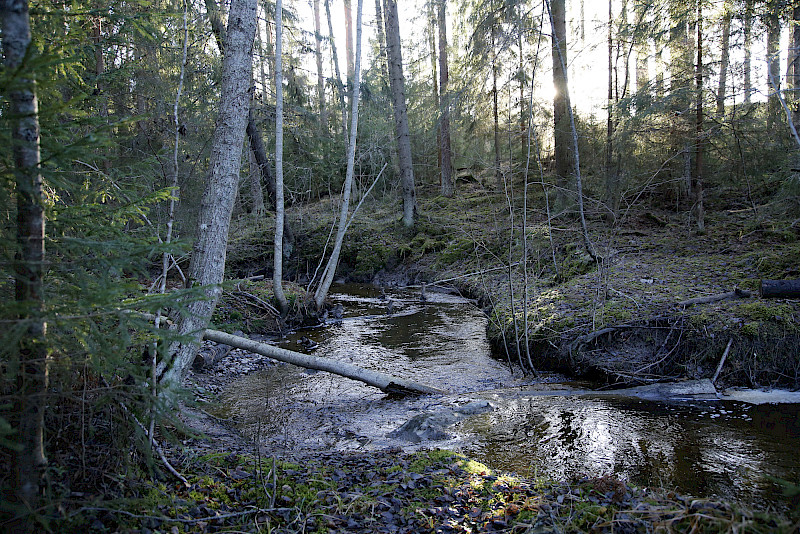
{"x": 207, "y": 266}
{"x": 785, "y": 289}
{"x": 348, "y": 43}
{"x": 562, "y": 135}
{"x": 697, "y": 179}
{"x": 748, "y": 47}
{"x": 34, "y": 358}
{"x": 339, "y": 85}
{"x": 397, "y": 84}
{"x": 280, "y": 212}
{"x": 333, "y": 261}
{"x": 447, "y": 187}
{"x": 724, "y": 59}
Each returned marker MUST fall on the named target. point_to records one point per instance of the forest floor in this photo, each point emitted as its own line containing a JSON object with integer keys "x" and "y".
{"x": 390, "y": 492}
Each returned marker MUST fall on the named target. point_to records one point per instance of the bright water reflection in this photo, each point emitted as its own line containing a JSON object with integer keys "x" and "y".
{"x": 729, "y": 449}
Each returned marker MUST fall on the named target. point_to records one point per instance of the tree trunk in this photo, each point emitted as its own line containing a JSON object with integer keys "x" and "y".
{"x": 773, "y": 67}
{"x": 323, "y": 113}
{"x": 256, "y": 190}
{"x": 34, "y": 358}
{"x": 435, "y": 77}
{"x": 260, "y": 154}
{"x": 207, "y": 266}
{"x": 697, "y": 189}
{"x": 794, "y": 75}
{"x": 277, "y": 264}
{"x": 448, "y": 189}
{"x": 611, "y": 175}
{"x": 348, "y": 42}
{"x": 379, "y": 25}
{"x": 784, "y": 289}
{"x": 495, "y": 112}
{"x": 397, "y": 84}
{"x": 339, "y": 85}
{"x": 333, "y": 261}
{"x": 562, "y": 141}
{"x": 748, "y": 46}
{"x": 725, "y": 56}
{"x": 384, "y": 382}
{"x": 642, "y": 51}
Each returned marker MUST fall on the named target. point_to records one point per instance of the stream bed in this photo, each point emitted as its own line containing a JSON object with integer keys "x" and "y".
{"x": 696, "y": 446}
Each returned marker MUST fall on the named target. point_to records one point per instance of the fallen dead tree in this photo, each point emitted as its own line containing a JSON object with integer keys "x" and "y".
{"x": 382, "y": 381}
{"x": 782, "y": 289}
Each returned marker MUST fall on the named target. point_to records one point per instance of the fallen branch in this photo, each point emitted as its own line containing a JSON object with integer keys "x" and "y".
{"x": 736, "y": 294}
{"x": 785, "y": 289}
{"x": 384, "y": 382}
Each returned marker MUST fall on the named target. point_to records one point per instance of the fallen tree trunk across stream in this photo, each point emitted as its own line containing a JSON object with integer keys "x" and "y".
{"x": 382, "y": 381}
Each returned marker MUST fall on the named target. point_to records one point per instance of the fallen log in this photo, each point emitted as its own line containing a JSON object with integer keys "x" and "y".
{"x": 736, "y": 294}
{"x": 780, "y": 289}
{"x": 382, "y": 381}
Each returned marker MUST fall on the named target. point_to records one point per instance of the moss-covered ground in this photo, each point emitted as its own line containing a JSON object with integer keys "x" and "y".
{"x": 389, "y": 491}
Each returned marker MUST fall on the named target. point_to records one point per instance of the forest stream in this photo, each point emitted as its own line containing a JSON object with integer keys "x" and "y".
{"x": 696, "y": 445}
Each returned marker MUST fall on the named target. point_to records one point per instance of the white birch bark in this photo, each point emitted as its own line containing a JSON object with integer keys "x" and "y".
{"x": 207, "y": 266}
{"x": 277, "y": 264}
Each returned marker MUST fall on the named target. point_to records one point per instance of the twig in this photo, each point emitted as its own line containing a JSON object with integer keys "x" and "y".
{"x": 177, "y": 519}
{"x": 722, "y": 361}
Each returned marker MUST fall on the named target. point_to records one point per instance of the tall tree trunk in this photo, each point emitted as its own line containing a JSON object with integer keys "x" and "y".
{"x": 697, "y": 189}
{"x": 323, "y": 113}
{"x": 563, "y": 152}
{"x": 277, "y": 264}
{"x": 348, "y": 42}
{"x": 253, "y": 132}
{"x": 379, "y": 25}
{"x": 794, "y": 75}
{"x": 431, "y": 27}
{"x": 576, "y": 161}
{"x": 34, "y": 358}
{"x": 495, "y": 111}
{"x": 339, "y": 85}
{"x": 642, "y": 50}
{"x": 256, "y": 189}
{"x": 725, "y": 56}
{"x": 333, "y": 261}
{"x": 611, "y": 175}
{"x": 397, "y": 83}
{"x": 100, "y": 69}
{"x": 773, "y": 66}
{"x": 207, "y": 266}
{"x": 748, "y": 49}
{"x": 447, "y": 188}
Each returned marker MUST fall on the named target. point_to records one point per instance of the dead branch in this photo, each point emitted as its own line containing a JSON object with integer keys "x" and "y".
{"x": 736, "y": 294}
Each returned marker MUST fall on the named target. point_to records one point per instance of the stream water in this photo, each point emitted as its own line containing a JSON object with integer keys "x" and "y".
{"x": 730, "y": 449}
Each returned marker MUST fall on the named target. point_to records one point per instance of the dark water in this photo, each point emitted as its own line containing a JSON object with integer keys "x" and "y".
{"x": 728, "y": 449}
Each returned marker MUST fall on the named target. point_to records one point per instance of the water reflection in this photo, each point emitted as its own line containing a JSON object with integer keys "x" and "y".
{"x": 723, "y": 448}
{"x": 727, "y": 449}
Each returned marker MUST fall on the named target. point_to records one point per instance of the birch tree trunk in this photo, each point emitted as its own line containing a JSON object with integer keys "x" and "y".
{"x": 34, "y": 358}
{"x": 277, "y": 263}
{"x": 444, "y": 77}
{"x": 339, "y": 85}
{"x": 207, "y": 266}
{"x": 333, "y": 261}
{"x": 794, "y": 57}
{"x": 397, "y": 84}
